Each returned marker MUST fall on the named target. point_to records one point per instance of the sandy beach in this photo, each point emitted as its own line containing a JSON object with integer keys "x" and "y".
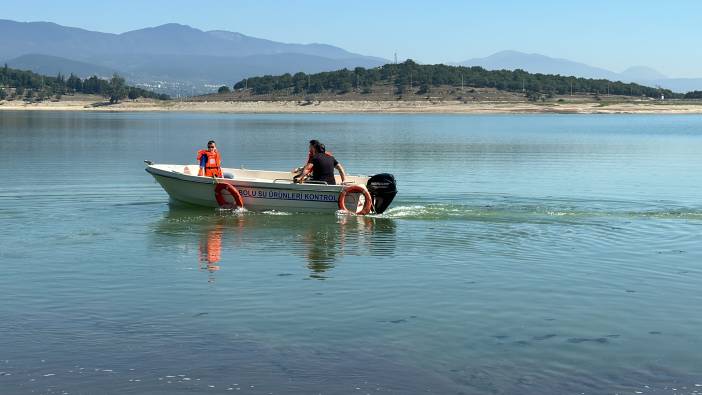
{"x": 447, "y": 107}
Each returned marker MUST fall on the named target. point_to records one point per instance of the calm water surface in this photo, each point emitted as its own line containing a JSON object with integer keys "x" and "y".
{"x": 523, "y": 255}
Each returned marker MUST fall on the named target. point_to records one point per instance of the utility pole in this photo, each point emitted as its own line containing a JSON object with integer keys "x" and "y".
{"x": 461, "y": 82}
{"x": 571, "y": 88}
{"x": 246, "y": 83}
{"x": 395, "y": 57}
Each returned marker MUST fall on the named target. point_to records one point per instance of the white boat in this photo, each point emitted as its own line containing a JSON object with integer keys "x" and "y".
{"x": 263, "y": 190}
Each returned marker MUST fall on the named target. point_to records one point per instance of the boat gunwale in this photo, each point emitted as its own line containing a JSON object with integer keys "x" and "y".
{"x": 154, "y": 171}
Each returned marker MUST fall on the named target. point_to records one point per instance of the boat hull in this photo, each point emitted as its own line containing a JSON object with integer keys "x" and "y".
{"x": 260, "y": 190}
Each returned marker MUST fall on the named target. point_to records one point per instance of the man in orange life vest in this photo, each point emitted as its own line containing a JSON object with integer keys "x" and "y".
{"x": 210, "y": 162}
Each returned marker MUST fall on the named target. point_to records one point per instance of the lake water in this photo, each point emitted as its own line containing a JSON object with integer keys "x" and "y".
{"x": 524, "y": 254}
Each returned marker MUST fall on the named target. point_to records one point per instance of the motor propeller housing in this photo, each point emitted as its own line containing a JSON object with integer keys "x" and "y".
{"x": 382, "y": 188}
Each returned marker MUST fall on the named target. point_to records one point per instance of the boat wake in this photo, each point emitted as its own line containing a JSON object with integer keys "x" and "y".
{"x": 536, "y": 212}
{"x": 236, "y": 211}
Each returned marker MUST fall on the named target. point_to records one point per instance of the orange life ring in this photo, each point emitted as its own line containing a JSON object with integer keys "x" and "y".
{"x": 356, "y": 189}
{"x": 238, "y": 200}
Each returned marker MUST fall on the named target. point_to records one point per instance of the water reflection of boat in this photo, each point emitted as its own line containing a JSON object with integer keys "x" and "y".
{"x": 210, "y": 248}
{"x": 221, "y": 238}
{"x": 348, "y": 236}
{"x": 260, "y": 190}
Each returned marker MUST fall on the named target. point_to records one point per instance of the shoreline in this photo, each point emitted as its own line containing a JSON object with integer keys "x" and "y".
{"x": 340, "y": 107}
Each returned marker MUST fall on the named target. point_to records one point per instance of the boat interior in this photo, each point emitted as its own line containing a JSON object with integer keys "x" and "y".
{"x": 283, "y": 177}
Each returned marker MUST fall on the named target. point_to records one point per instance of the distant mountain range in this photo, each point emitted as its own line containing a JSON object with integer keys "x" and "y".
{"x": 179, "y": 59}
{"x": 536, "y": 63}
{"x": 172, "y": 56}
{"x": 52, "y": 65}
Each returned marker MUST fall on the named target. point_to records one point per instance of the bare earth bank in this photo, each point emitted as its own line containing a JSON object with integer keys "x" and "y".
{"x": 449, "y": 107}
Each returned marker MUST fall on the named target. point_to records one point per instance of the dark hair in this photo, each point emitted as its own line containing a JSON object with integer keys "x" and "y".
{"x": 318, "y": 147}
{"x": 322, "y": 149}
{"x": 211, "y": 142}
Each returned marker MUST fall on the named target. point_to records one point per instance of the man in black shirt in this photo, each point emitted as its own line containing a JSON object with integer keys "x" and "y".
{"x": 321, "y": 166}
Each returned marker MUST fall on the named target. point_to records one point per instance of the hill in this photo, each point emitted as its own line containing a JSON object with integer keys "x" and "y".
{"x": 155, "y": 56}
{"x": 26, "y": 85}
{"x": 414, "y": 81}
{"x": 53, "y": 65}
{"x": 537, "y": 63}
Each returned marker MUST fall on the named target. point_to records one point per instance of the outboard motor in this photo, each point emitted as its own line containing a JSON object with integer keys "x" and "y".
{"x": 382, "y": 188}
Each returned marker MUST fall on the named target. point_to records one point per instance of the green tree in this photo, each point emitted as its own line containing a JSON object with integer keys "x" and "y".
{"x": 343, "y": 87}
{"x": 117, "y": 89}
{"x": 223, "y": 89}
{"x": 401, "y": 82}
{"x": 59, "y": 85}
{"x": 74, "y": 83}
{"x": 92, "y": 85}
{"x": 534, "y": 96}
{"x": 299, "y": 81}
{"x": 315, "y": 87}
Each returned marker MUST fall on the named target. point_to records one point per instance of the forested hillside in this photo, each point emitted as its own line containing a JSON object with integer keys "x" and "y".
{"x": 421, "y": 79}
{"x": 21, "y": 84}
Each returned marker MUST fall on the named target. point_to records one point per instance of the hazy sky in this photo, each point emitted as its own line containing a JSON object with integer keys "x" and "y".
{"x": 615, "y": 34}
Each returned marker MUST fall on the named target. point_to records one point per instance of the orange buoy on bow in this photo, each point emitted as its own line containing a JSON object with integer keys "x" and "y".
{"x": 356, "y": 189}
{"x": 223, "y": 203}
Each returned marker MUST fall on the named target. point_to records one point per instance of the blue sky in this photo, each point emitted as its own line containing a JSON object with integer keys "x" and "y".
{"x": 610, "y": 34}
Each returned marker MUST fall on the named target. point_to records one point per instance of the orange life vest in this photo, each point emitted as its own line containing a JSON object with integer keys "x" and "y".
{"x": 213, "y": 165}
